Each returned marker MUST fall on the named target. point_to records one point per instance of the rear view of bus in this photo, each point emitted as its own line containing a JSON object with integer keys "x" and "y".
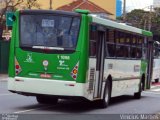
{"x": 46, "y": 57}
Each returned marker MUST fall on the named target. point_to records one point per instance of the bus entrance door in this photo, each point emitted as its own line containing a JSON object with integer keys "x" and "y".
{"x": 99, "y": 64}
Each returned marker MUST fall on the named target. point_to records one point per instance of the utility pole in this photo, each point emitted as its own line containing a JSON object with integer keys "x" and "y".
{"x": 124, "y": 10}
{"x": 50, "y": 5}
{"x": 150, "y": 18}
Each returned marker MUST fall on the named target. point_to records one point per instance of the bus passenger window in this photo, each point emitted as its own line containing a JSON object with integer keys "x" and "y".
{"x": 122, "y": 51}
{"x": 110, "y": 50}
{"x": 139, "y": 53}
{"x": 133, "y": 52}
{"x": 92, "y": 41}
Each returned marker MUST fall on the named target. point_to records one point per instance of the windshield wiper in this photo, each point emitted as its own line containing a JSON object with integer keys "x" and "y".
{"x": 47, "y": 48}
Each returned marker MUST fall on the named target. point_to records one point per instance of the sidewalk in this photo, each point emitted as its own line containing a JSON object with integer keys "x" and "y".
{"x": 155, "y": 88}
{"x": 3, "y": 77}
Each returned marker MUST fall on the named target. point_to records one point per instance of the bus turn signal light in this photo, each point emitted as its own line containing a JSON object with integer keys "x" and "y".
{"x": 17, "y": 67}
{"x": 75, "y": 71}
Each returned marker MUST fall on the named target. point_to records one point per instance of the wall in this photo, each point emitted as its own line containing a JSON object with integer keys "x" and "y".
{"x": 109, "y": 5}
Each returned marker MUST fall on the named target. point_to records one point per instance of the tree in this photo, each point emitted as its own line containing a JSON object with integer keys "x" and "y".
{"x": 32, "y": 3}
{"x": 156, "y": 24}
{"x": 11, "y": 5}
{"x": 148, "y": 20}
{"x": 137, "y": 18}
{"x": 6, "y": 5}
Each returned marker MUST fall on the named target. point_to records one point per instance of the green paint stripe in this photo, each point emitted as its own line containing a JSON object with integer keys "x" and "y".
{"x": 147, "y": 33}
{"x": 82, "y": 11}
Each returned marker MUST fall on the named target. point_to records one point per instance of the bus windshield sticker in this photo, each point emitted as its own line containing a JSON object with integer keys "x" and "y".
{"x": 47, "y": 23}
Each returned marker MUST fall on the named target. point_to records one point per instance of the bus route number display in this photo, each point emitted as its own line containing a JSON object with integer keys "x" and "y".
{"x": 47, "y": 23}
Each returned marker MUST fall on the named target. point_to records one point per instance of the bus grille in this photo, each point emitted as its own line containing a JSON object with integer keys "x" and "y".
{"x": 91, "y": 79}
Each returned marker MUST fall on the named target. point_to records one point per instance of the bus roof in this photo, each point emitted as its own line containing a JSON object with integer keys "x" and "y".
{"x": 120, "y": 26}
{"x": 49, "y": 12}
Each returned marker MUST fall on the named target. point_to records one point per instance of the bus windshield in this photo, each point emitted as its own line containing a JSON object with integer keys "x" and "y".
{"x": 52, "y": 31}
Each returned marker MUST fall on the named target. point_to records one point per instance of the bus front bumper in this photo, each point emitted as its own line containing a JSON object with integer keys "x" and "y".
{"x": 46, "y": 87}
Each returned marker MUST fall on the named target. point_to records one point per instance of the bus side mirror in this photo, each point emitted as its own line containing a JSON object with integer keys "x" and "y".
{"x": 10, "y": 18}
{"x": 156, "y": 43}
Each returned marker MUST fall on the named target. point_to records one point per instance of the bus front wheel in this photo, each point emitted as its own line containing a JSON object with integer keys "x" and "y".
{"x": 46, "y": 99}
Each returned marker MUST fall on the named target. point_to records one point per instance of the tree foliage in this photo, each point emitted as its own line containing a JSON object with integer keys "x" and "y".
{"x": 7, "y": 5}
{"x": 32, "y": 3}
{"x": 145, "y": 20}
{"x": 12, "y": 5}
{"x": 156, "y": 22}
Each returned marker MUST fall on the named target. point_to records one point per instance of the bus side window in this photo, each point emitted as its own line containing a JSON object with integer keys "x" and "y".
{"x": 92, "y": 41}
{"x": 139, "y": 48}
{"x": 110, "y": 44}
{"x": 139, "y": 53}
{"x": 122, "y": 51}
{"x": 122, "y": 44}
{"x": 111, "y": 50}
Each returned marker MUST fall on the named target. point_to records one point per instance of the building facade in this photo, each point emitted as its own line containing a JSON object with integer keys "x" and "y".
{"x": 86, "y": 4}
{"x": 108, "y": 5}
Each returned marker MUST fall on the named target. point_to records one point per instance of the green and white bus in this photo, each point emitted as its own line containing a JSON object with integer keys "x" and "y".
{"x": 57, "y": 54}
{"x": 156, "y": 62}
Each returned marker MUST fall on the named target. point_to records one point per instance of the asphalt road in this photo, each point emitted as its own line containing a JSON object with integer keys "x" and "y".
{"x": 13, "y": 103}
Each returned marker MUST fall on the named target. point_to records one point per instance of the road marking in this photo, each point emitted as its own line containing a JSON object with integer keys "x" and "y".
{"x": 6, "y": 94}
{"x": 32, "y": 109}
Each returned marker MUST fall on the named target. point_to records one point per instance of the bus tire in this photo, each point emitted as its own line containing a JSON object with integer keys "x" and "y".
{"x": 138, "y": 94}
{"x": 46, "y": 99}
{"x": 106, "y": 97}
{"x": 156, "y": 80}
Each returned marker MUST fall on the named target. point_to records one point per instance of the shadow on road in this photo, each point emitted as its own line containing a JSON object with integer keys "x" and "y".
{"x": 69, "y": 106}
{"x": 123, "y": 99}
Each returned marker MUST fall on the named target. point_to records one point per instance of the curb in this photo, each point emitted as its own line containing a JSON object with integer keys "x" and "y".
{"x": 4, "y": 80}
{"x": 3, "y": 77}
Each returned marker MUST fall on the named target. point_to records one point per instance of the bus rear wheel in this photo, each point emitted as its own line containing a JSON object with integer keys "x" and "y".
{"x": 107, "y": 96}
{"x": 46, "y": 99}
{"x": 138, "y": 94}
{"x": 156, "y": 80}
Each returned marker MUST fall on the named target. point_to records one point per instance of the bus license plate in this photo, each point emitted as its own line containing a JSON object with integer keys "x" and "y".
{"x": 45, "y": 76}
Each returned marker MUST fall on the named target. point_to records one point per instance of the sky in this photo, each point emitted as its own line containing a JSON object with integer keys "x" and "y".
{"x": 138, "y": 4}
